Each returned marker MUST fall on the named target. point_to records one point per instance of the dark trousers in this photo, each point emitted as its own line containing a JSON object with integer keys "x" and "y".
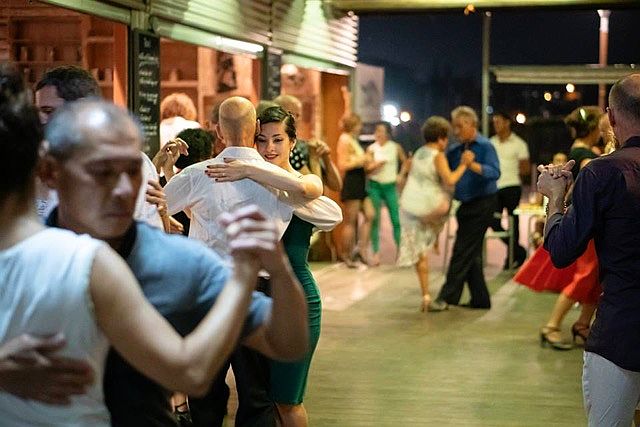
{"x": 509, "y": 198}
{"x": 252, "y": 375}
{"x": 210, "y": 410}
{"x": 251, "y": 370}
{"x": 474, "y": 218}
{"x": 255, "y": 407}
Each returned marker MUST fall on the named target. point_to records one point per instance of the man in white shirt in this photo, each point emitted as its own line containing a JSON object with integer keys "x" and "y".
{"x": 206, "y": 199}
{"x": 192, "y": 190}
{"x": 513, "y": 155}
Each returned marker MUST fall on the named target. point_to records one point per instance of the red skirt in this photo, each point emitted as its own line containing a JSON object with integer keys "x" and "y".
{"x": 579, "y": 281}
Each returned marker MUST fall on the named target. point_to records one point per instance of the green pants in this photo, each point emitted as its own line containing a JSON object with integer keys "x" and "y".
{"x": 386, "y": 193}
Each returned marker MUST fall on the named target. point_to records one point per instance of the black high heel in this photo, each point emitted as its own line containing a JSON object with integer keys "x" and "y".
{"x": 580, "y": 330}
{"x": 545, "y": 331}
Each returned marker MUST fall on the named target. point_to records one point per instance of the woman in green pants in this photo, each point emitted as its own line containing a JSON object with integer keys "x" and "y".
{"x": 387, "y": 156}
{"x": 275, "y": 141}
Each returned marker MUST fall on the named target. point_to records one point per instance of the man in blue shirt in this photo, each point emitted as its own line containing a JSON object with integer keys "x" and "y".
{"x": 606, "y": 208}
{"x": 476, "y": 191}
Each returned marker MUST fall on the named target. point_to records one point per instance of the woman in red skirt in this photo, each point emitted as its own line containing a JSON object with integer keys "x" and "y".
{"x": 578, "y": 282}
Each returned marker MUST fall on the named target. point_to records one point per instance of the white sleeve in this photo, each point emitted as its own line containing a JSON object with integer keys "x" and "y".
{"x": 322, "y": 212}
{"x": 144, "y": 210}
{"x": 178, "y": 192}
{"x": 523, "y": 153}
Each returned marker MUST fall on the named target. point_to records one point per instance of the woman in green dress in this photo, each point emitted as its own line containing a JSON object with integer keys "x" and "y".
{"x": 274, "y": 142}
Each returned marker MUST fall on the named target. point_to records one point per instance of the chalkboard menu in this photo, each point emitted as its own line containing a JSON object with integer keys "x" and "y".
{"x": 274, "y": 62}
{"x": 145, "y": 79}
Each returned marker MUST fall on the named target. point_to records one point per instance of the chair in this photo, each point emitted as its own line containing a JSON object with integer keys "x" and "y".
{"x": 509, "y": 234}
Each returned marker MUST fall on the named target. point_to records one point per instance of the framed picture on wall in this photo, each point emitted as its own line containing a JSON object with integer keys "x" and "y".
{"x": 226, "y": 73}
{"x": 369, "y": 92}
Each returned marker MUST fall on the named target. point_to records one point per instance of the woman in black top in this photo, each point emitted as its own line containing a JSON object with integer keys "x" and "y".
{"x": 354, "y": 163}
{"x": 583, "y": 123}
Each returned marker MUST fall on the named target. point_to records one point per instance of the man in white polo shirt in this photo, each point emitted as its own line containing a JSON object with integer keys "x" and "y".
{"x": 513, "y": 155}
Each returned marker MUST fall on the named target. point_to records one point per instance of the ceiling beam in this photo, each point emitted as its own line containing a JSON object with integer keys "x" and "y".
{"x": 561, "y": 74}
{"x": 369, "y": 6}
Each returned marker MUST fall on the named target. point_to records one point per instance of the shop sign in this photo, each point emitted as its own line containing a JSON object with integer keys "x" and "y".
{"x": 145, "y": 79}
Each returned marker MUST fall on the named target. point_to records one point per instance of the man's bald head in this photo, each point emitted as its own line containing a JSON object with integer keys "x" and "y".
{"x": 237, "y": 125}
{"x": 625, "y": 97}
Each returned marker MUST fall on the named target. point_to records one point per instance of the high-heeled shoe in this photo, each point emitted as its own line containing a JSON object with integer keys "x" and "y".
{"x": 545, "y": 331}
{"x": 426, "y": 300}
{"x": 580, "y": 330}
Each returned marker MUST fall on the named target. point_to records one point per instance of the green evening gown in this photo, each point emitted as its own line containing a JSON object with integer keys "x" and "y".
{"x": 289, "y": 379}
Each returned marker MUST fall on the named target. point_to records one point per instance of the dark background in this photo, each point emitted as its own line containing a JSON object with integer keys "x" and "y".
{"x": 433, "y": 62}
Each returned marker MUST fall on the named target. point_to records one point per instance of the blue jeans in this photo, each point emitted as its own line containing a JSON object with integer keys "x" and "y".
{"x": 611, "y": 393}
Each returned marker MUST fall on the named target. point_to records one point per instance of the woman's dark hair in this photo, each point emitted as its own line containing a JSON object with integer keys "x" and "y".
{"x": 434, "y": 128}
{"x": 583, "y": 120}
{"x": 20, "y": 132}
{"x": 279, "y": 115}
{"x": 263, "y": 104}
{"x": 200, "y": 142}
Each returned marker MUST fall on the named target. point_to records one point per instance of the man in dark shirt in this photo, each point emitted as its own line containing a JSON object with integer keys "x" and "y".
{"x": 606, "y": 207}
{"x": 476, "y": 191}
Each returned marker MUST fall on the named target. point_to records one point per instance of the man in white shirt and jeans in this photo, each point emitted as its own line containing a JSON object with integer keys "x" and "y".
{"x": 513, "y": 155}
{"x": 192, "y": 190}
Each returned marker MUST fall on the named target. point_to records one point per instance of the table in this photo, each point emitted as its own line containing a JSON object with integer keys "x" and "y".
{"x": 534, "y": 211}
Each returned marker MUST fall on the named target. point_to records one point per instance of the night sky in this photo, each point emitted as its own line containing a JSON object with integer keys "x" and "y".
{"x": 433, "y": 61}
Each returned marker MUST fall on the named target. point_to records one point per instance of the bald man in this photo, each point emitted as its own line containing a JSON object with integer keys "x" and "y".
{"x": 605, "y": 207}
{"x": 206, "y": 199}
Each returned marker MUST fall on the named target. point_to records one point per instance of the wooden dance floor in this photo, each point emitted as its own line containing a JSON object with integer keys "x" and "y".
{"x": 381, "y": 362}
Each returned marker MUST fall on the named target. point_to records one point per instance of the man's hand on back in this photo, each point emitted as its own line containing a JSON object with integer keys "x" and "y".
{"x": 29, "y": 369}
